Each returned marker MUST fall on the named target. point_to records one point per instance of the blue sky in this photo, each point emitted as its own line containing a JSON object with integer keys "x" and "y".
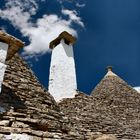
{"x": 108, "y": 34}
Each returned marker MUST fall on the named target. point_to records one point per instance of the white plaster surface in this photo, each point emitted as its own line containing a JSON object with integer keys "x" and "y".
{"x": 3, "y": 51}
{"x": 18, "y": 137}
{"x": 2, "y": 71}
{"x": 62, "y": 79}
{"x": 137, "y": 89}
{"x": 110, "y": 73}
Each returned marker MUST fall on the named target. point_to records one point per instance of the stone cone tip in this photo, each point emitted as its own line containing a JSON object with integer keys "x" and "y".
{"x": 110, "y": 72}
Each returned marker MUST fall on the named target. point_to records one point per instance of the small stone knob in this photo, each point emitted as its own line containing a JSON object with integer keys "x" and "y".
{"x": 109, "y": 68}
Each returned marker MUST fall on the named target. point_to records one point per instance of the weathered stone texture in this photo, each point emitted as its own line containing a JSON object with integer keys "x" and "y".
{"x": 119, "y": 107}
{"x": 29, "y": 112}
{"x": 113, "y": 108}
{"x": 79, "y": 118}
{"x": 27, "y": 107}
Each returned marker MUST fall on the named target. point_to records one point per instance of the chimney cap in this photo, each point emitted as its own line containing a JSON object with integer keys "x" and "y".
{"x": 68, "y": 38}
{"x": 109, "y": 68}
{"x": 14, "y": 43}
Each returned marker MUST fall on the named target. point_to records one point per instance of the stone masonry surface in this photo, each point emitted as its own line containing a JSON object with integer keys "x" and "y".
{"x": 29, "y": 112}
{"x": 112, "y": 108}
{"x": 27, "y": 108}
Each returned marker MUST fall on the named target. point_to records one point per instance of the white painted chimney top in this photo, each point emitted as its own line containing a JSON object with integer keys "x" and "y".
{"x": 9, "y": 45}
{"x": 62, "y": 78}
{"x": 68, "y": 39}
{"x": 13, "y": 43}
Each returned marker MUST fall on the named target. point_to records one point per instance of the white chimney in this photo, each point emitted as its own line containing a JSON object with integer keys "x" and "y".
{"x": 3, "y": 54}
{"x": 8, "y": 47}
{"x": 62, "y": 78}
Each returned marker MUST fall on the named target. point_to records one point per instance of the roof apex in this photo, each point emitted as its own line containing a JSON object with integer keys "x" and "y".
{"x": 14, "y": 43}
{"x": 68, "y": 38}
{"x": 110, "y": 81}
{"x": 110, "y": 72}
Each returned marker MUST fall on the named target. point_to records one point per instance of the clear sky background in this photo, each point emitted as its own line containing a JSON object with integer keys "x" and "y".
{"x": 108, "y": 33}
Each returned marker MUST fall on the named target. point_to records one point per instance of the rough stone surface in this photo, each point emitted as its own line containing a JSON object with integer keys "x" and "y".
{"x": 28, "y": 111}
{"x": 26, "y": 107}
{"x": 68, "y": 39}
{"x": 106, "y": 137}
{"x": 113, "y": 108}
{"x": 79, "y": 118}
{"x": 118, "y": 104}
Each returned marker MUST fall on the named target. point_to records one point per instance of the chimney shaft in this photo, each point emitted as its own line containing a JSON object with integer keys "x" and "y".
{"x": 3, "y": 54}
{"x": 8, "y": 47}
{"x": 62, "y": 78}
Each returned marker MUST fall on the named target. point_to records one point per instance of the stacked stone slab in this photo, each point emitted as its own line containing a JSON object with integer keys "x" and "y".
{"x": 78, "y": 110}
{"x": 27, "y": 110}
{"x": 112, "y": 108}
{"x": 119, "y": 107}
{"x": 79, "y": 119}
{"x": 28, "y": 107}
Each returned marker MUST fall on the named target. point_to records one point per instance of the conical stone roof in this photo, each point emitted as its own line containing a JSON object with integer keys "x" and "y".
{"x": 79, "y": 111}
{"x": 118, "y": 107}
{"x": 27, "y": 110}
{"x": 112, "y": 108}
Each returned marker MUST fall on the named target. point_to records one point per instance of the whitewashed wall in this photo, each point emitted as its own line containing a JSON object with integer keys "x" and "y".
{"x": 17, "y": 137}
{"x": 3, "y": 54}
{"x": 137, "y": 89}
{"x": 62, "y": 80}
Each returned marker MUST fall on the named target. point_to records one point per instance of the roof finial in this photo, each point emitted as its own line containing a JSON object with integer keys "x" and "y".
{"x": 109, "y": 71}
{"x": 109, "y": 68}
